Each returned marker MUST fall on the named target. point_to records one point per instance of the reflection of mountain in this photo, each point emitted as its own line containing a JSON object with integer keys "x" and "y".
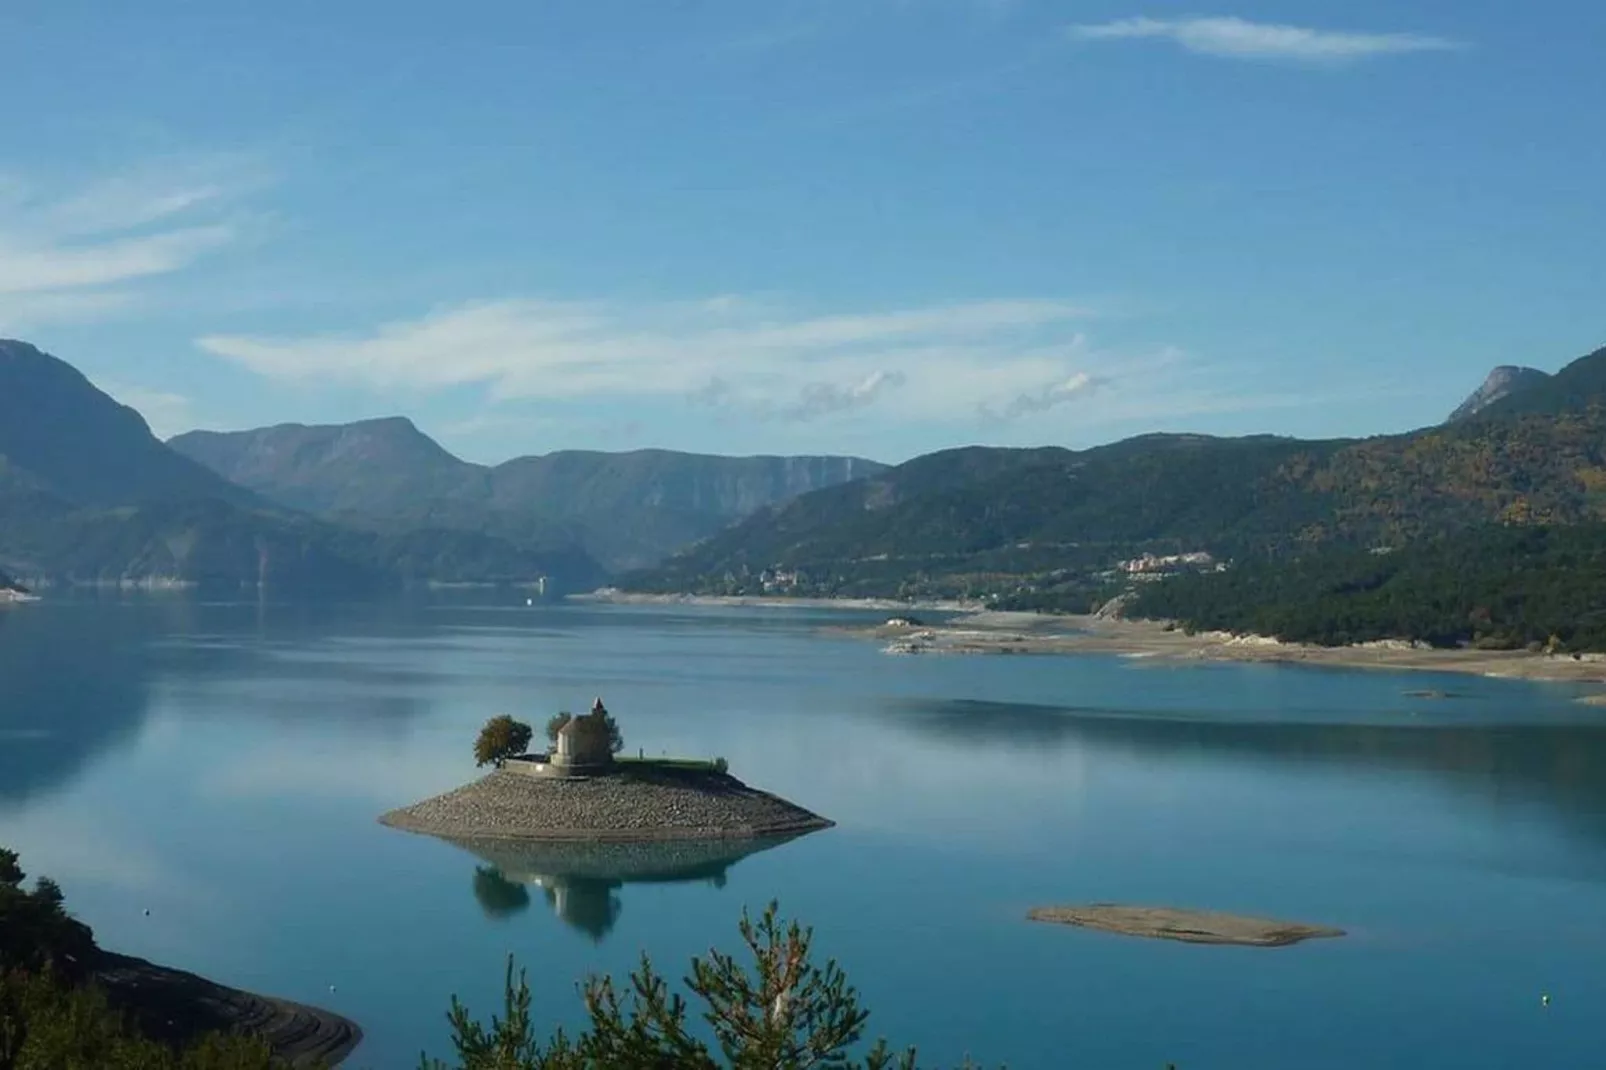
{"x": 73, "y": 683}
{"x": 582, "y": 881}
{"x": 1560, "y": 766}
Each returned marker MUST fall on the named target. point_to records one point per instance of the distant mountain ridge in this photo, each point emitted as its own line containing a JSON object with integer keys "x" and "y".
{"x": 1503, "y": 381}
{"x": 1006, "y": 521}
{"x": 627, "y": 509}
{"x": 89, "y": 495}
{"x": 58, "y": 431}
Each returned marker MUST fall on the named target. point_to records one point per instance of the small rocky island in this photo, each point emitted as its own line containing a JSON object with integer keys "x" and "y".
{"x": 582, "y": 790}
{"x": 1188, "y": 926}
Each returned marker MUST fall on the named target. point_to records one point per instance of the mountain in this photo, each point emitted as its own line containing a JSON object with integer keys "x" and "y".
{"x": 59, "y": 433}
{"x": 626, "y": 509}
{"x": 89, "y": 495}
{"x": 986, "y": 520}
{"x": 369, "y": 467}
{"x": 1504, "y": 381}
{"x": 1577, "y": 388}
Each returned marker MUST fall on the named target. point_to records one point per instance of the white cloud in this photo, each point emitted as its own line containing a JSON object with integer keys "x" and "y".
{"x": 1236, "y": 38}
{"x": 748, "y": 358}
{"x": 1023, "y": 363}
{"x": 1045, "y": 397}
{"x": 83, "y": 253}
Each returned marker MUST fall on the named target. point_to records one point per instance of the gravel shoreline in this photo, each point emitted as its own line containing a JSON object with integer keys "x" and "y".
{"x": 639, "y": 805}
{"x": 1031, "y": 633}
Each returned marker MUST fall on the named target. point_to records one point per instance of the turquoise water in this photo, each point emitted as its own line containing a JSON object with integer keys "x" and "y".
{"x": 222, "y": 766}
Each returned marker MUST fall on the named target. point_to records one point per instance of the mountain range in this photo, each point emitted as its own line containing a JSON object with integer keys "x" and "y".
{"x": 89, "y": 495}
{"x": 979, "y": 520}
{"x": 625, "y": 509}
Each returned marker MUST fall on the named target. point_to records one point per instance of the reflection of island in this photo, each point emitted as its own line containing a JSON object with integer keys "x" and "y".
{"x": 582, "y": 880}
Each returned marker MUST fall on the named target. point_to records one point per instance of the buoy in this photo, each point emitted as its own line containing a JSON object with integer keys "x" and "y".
{"x": 147, "y": 912}
{"x": 1544, "y": 1000}
{"x": 331, "y": 988}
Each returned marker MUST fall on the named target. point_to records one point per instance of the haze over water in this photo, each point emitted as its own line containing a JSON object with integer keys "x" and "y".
{"x": 222, "y": 765}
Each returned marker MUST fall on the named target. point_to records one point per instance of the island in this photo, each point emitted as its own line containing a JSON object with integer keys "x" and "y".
{"x": 583, "y": 790}
{"x": 1187, "y": 926}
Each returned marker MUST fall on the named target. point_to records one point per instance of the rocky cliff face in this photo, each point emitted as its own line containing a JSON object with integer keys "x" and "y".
{"x": 1504, "y": 381}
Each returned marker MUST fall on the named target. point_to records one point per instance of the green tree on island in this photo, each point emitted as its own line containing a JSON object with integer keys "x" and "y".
{"x": 501, "y": 738}
{"x": 786, "y": 1014}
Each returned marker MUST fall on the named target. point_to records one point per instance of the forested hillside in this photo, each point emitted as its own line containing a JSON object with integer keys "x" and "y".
{"x": 1003, "y": 521}
{"x": 1502, "y": 587}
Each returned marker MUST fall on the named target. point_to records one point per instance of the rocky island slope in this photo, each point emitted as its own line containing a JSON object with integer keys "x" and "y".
{"x": 636, "y": 802}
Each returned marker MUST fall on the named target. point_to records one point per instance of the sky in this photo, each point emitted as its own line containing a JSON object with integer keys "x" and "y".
{"x": 880, "y": 227}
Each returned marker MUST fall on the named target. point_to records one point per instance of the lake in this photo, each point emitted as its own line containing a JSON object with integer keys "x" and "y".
{"x": 222, "y": 766}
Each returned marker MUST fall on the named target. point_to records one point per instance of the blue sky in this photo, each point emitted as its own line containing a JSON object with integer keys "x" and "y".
{"x": 870, "y": 226}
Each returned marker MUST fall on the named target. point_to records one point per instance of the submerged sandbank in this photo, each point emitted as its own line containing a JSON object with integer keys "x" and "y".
{"x": 1187, "y": 926}
{"x": 631, "y": 804}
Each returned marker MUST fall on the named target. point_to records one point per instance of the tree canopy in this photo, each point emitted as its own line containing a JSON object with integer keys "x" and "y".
{"x": 501, "y": 738}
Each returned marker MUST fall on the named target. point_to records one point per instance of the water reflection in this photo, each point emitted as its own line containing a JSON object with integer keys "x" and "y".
{"x": 74, "y": 686}
{"x": 1558, "y": 764}
{"x": 582, "y": 882}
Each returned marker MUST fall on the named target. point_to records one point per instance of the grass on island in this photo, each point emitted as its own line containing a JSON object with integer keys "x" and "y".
{"x": 706, "y": 765}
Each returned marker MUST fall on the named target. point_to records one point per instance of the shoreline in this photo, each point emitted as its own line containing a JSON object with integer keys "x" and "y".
{"x": 614, "y": 597}
{"x": 994, "y": 632}
{"x": 175, "y": 1006}
{"x": 1004, "y": 632}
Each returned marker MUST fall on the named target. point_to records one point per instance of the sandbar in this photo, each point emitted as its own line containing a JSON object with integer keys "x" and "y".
{"x": 1187, "y": 926}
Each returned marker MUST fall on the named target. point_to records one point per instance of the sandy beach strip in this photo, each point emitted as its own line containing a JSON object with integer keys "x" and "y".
{"x": 989, "y": 632}
{"x": 615, "y": 597}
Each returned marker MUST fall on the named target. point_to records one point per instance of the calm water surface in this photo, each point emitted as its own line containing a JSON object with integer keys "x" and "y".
{"x": 222, "y": 766}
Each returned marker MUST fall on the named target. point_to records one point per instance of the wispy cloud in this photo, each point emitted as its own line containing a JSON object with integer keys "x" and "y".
{"x": 83, "y": 253}
{"x": 1024, "y": 367}
{"x": 745, "y": 357}
{"x": 1235, "y": 38}
{"x": 1044, "y": 398}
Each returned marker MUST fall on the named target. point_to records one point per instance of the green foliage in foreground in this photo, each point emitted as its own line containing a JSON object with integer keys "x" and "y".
{"x": 52, "y": 1017}
{"x": 1496, "y": 588}
{"x": 47, "y": 1023}
{"x": 786, "y": 1014}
